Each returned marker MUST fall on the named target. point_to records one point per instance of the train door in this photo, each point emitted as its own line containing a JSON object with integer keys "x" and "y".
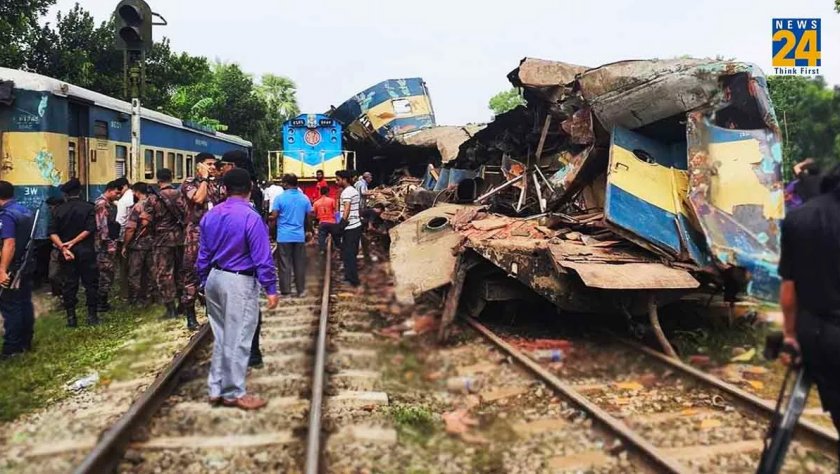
{"x": 78, "y": 165}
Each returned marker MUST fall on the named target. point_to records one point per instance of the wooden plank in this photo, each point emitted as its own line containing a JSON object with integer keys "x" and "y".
{"x": 695, "y": 452}
{"x": 453, "y": 296}
{"x": 216, "y": 442}
{"x": 85, "y": 443}
{"x": 544, "y": 133}
{"x": 585, "y": 461}
{"x": 632, "y": 276}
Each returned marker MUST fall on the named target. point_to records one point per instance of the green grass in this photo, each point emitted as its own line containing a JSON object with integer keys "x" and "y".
{"x": 414, "y": 423}
{"x": 61, "y": 355}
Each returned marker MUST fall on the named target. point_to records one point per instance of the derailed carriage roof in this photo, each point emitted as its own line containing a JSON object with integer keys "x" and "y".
{"x": 36, "y": 82}
{"x": 387, "y": 110}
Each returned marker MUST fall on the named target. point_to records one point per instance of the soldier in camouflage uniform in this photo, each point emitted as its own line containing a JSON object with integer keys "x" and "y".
{"x": 200, "y": 193}
{"x": 164, "y": 211}
{"x": 138, "y": 246}
{"x": 105, "y": 241}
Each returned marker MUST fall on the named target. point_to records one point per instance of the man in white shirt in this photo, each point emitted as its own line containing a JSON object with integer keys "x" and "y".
{"x": 272, "y": 192}
{"x": 125, "y": 203}
{"x": 351, "y": 222}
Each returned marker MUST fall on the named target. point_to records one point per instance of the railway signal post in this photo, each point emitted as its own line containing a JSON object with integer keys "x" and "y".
{"x": 134, "y": 37}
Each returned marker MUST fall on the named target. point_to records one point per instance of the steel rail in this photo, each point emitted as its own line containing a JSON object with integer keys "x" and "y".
{"x": 635, "y": 442}
{"x": 313, "y": 443}
{"x": 110, "y": 448}
{"x": 807, "y": 431}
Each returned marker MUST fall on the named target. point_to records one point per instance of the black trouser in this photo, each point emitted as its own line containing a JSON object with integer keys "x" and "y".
{"x": 326, "y": 228}
{"x": 18, "y": 317}
{"x": 349, "y": 250}
{"x": 819, "y": 339}
{"x": 256, "y": 353}
{"x": 292, "y": 259}
{"x": 83, "y": 267}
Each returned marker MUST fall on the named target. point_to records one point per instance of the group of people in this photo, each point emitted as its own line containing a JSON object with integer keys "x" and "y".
{"x": 206, "y": 238}
{"x": 345, "y": 220}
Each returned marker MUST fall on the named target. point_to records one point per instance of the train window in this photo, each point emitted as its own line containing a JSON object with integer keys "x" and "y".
{"x": 120, "y": 153}
{"x": 189, "y": 166}
{"x": 179, "y": 166}
{"x": 159, "y": 160}
{"x": 100, "y": 129}
{"x": 71, "y": 159}
{"x": 170, "y": 161}
{"x": 149, "y": 164}
{"x": 402, "y": 107}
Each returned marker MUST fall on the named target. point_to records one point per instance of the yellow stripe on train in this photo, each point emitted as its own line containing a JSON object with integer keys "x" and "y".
{"x": 384, "y": 113}
{"x": 330, "y": 166}
{"x": 736, "y": 182}
{"x": 665, "y": 188}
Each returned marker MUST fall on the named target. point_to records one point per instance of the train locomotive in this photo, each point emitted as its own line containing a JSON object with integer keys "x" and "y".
{"x": 313, "y": 142}
{"x": 51, "y": 131}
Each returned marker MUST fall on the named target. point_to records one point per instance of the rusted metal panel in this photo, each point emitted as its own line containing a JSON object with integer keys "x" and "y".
{"x": 446, "y": 139}
{"x": 632, "y": 94}
{"x": 534, "y": 72}
{"x": 632, "y": 276}
{"x": 423, "y": 259}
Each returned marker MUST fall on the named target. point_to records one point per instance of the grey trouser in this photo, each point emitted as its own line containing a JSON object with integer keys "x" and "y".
{"x": 233, "y": 308}
{"x": 292, "y": 258}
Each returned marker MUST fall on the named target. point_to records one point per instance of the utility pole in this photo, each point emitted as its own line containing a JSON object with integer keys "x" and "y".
{"x": 134, "y": 37}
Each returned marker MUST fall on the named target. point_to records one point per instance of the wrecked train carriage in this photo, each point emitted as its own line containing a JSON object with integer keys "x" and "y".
{"x": 684, "y": 157}
{"x": 678, "y": 161}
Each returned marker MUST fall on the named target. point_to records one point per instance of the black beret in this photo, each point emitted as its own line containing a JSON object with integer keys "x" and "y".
{"x": 237, "y": 157}
{"x": 72, "y": 185}
{"x": 237, "y": 178}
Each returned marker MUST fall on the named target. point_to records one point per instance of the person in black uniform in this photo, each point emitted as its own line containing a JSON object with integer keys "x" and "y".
{"x": 71, "y": 231}
{"x": 810, "y": 292}
{"x": 16, "y": 222}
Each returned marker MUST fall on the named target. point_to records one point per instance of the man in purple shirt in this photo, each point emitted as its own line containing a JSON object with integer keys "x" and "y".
{"x": 233, "y": 262}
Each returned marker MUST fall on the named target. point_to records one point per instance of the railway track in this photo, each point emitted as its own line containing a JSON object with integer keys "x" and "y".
{"x": 171, "y": 427}
{"x": 675, "y": 418}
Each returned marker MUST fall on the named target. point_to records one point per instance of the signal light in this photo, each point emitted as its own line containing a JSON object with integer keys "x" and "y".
{"x": 134, "y": 25}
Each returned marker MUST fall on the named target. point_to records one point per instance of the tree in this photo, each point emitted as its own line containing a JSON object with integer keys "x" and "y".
{"x": 809, "y": 115}
{"x": 280, "y": 95}
{"x": 18, "y": 25}
{"x": 505, "y": 101}
{"x": 77, "y": 51}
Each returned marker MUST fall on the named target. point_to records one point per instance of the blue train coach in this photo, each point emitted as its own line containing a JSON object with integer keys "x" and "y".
{"x": 51, "y": 131}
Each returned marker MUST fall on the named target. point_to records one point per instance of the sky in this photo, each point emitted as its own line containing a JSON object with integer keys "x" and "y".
{"x": 464, "y": 49}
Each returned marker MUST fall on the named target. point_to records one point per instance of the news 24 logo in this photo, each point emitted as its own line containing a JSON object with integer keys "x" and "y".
{"x": 797, "y": 47}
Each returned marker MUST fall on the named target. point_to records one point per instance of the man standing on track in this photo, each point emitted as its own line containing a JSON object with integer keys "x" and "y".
{"x": 234, "y": 261}
{"x": 200, "y": 193}
{"x": 164, "y": 211}
{"x": 325, "y": 209}
{"x": 234, "y": 159}
{"x": 71, "y": 231}
{"x": 810, "y": 292}
{"x": 352, "y": 225}
{"x": 16, "y": 223}
{"x": 107, "y": 234}
{"x": 291, "y": 211}
{"x": 138, "y": 248}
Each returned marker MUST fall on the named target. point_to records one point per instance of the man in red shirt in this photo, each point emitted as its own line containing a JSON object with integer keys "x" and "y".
{"x": 325, "y": 209}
